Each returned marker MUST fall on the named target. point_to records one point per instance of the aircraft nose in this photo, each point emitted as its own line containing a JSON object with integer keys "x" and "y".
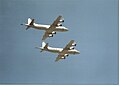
{"x": 78, "y": 52}
{"x": 66, "y": 29}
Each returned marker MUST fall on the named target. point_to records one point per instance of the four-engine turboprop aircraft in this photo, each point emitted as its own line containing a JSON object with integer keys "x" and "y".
{"x": 56, "y": 26}
{"x": 62, "y": 52}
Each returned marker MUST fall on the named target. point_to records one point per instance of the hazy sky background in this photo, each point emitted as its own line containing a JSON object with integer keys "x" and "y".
{"x": 93, "y": 24}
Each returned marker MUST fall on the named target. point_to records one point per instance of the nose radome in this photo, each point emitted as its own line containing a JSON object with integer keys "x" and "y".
{"x": 78, "y": 52}
{"x": 66, "y": 29}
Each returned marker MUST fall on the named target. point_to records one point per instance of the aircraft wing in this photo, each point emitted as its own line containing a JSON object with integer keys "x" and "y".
{"x": 52, "y": 27}
{"x": 64, "y": 51}
{"x": 56, "y": 22}
{"x": 59, "y": 57}
{"x": 67, "y": 47}
{"x": 45, "y": 35}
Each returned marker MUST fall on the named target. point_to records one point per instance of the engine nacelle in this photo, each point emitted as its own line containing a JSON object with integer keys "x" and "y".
{"x": 60, "y": 24}
{"x": 66, "y": 55}
{"x": 62, "y": 20}
{"x": 72, "y": 48}
{"x": 74, "y": 44}
{"x": 63, "y": 57}
{"x": 53, "y": 32}
{"x": 50, "y": 35}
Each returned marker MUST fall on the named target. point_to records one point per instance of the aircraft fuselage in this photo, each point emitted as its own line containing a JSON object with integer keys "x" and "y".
{"x": 46, "y": 27}
{"x": 59, "y": 50}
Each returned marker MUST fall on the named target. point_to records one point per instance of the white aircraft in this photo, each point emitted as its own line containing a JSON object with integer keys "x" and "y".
{"x": 63, "y": 52}
{"x": 56, "y": 26}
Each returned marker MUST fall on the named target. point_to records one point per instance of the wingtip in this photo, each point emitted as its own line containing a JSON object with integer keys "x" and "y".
{"x": 56, "y": 60}
{"x": 43, "y": 39}
{"x": 73, "y": 39}
{"x": 60, "y": 15}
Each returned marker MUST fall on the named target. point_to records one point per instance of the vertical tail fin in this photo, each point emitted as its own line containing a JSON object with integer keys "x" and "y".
{"x": 30, "y": 23}
{"x": 44, "y": 45}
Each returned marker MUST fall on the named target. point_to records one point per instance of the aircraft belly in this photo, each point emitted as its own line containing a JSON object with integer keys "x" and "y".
{"x": 40, "y": 28}
{"x": 59, "y": 29}
{"x": 71, "y": 52}
{"x": 54, "y": 51}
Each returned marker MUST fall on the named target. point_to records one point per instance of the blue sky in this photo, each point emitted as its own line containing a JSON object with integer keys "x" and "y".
{"x": 93, "y": 24}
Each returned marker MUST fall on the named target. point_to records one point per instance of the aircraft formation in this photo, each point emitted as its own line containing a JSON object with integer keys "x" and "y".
{"x": 50, "y": 30}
